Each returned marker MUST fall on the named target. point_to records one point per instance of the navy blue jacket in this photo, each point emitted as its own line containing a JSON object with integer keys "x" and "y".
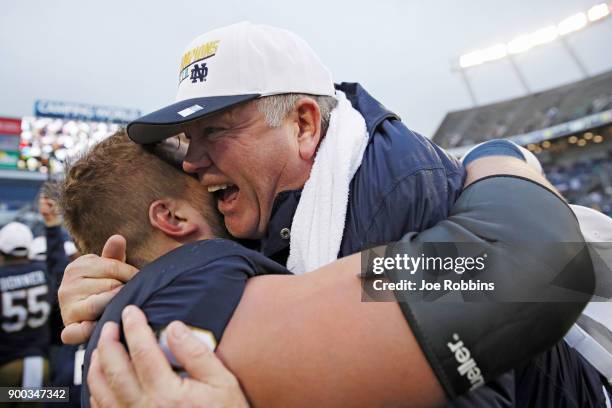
{"x": 405, "y": 183}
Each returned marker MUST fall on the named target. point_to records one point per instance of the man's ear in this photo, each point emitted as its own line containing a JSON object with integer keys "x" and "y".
{"x": 309, "y": 125}
{"x": 166, "y": 216}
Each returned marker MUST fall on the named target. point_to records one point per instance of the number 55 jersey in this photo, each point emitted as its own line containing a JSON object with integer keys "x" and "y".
{"x": 24, "y": 311}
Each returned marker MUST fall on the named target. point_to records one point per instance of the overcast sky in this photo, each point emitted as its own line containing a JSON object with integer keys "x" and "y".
{"x": 126, "y": 53}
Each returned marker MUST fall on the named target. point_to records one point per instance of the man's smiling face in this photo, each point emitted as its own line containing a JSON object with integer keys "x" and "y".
{"x": 245, "y": 163}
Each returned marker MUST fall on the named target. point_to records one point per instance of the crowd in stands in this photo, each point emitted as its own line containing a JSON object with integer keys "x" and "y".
{"x": 44, "y": 146}
{"x": 519, "y": 116}
{"x": 587, "y": 182}
{"x": 46, "y": 143}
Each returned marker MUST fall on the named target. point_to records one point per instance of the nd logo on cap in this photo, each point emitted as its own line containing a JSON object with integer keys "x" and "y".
{"x": 194, "y": 62}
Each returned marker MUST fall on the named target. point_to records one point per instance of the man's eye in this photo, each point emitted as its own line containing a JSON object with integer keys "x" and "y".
{"x": 213, "y": 133}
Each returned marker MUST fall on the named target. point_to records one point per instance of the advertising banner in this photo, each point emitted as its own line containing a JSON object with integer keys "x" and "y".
{"x": 86, "y": 112}
{"x": 10, "y": 126}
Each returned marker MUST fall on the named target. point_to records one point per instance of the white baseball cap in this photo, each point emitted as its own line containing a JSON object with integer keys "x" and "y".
{"x": 15, "y": 239}
{"x": 234, "y": 64}
{"x": 38, "y": 249}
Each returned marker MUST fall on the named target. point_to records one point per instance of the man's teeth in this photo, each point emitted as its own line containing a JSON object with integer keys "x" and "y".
{"x": 217, "y": 187}
{"x": 212, "y": 189}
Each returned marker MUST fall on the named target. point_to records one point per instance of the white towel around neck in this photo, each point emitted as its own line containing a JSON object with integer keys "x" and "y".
{"x": 318, "y": 223}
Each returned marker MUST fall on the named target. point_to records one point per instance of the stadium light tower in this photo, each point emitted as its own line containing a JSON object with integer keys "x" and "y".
{"x": 526, "y": 42}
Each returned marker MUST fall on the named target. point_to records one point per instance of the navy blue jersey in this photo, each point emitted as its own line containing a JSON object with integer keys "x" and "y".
{"x": 24, "y": 311}
{"x": 200, "y": 284}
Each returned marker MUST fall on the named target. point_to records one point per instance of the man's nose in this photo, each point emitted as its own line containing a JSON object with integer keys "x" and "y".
{"x": 196, "y": 159}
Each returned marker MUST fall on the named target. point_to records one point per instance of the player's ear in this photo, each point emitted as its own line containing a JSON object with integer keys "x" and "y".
{"x": 167, "y": 216}
{"x": 309, "y": 127}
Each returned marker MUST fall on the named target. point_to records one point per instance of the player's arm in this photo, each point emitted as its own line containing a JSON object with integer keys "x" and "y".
{"x": 309, "y": 341}
{"x": 268, "y": 382}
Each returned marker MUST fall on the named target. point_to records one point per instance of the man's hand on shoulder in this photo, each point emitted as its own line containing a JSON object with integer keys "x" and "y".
{"x": 88, "y": 285}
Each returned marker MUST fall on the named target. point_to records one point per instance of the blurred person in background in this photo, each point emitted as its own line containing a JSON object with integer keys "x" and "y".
{"x": 66, "y": 360}
{"x": 25, "y": 309}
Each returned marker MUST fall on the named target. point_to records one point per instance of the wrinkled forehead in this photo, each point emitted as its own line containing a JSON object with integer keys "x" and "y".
{"x": 227, "y": 117}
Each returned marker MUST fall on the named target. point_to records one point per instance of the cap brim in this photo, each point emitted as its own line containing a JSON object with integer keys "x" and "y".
{"x": 168, "y": 121}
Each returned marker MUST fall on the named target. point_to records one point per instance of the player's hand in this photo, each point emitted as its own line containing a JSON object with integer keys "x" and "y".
{"x": 49, "y": 211}
{"x": 89, "y": 284}
{"x": 147, "y": 379}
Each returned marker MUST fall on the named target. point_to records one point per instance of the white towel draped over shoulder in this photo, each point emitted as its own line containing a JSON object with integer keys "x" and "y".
{"x": 318, "y": 223}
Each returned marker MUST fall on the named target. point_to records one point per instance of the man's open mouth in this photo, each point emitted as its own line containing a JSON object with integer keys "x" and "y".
{"x": 224, "y": 193}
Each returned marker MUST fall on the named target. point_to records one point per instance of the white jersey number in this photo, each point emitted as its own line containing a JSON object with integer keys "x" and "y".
{"x": 26, "y": 306}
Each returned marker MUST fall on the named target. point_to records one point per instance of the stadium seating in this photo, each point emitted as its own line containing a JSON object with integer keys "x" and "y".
{"x": 523, "y": 115}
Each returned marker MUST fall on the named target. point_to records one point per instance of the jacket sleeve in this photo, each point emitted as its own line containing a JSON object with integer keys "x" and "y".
{"x": 414, "y": 203}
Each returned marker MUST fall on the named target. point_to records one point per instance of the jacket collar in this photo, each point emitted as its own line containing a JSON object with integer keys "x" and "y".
{"x": 372, "y": 111}
{"x": 278, "y": 234}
